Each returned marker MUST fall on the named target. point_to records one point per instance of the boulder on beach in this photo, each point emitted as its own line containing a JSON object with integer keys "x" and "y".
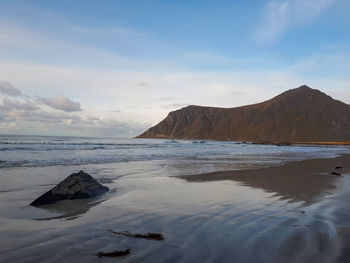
{"x": 76, "y": 186}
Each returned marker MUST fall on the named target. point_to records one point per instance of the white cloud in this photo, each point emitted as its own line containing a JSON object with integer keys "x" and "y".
{"x": 8, "y": 105}
{"x": 7, "y": 89}
{"x": 61, "y": 103}
{"x": 27, "y": 115}
{"x": 20, "y": 118}
{"x": 280, "y": 15}
{"x": 174, "y": 105}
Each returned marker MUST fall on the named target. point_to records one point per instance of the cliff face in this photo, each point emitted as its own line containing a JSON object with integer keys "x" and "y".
{"x": 297, "y": 115}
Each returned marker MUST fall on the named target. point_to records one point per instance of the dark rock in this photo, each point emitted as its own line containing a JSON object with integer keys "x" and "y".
{"x": 76, "y": 186}
{"x": 334, "y": 173}
{"x": 114, "y": 254}
{"x": 338, "y": 167}
{"x": 284, "y": 144}
{"x": 262, "y": 143}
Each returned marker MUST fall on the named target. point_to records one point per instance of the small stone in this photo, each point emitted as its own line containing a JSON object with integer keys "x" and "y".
{"x": 334, "y": 173}
{"x": 113, "y": 254}
{"x": 284, "y": 144}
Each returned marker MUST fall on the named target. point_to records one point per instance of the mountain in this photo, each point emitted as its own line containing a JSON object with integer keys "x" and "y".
{"x": 297, "y": 115}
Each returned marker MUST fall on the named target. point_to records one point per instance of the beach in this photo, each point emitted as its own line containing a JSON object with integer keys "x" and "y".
{"x": 260, "y": 204}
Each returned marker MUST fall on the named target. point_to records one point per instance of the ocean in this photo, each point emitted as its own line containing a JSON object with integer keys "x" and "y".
{"x": 208, "y": 221}
{"x": 40, "y": 151}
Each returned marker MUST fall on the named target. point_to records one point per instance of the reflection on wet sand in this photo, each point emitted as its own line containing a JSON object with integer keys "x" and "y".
{"x": 295, "y": 181}
{"x": 69, "y": 209}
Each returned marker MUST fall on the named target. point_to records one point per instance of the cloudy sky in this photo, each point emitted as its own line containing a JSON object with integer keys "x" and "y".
{"x": 114, "y": 68}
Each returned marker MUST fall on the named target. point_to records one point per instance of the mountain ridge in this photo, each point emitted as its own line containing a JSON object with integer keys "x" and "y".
{"x": 296, "y": 115}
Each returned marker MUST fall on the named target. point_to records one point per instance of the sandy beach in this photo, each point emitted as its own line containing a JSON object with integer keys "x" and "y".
{"x": 293, "y": 212}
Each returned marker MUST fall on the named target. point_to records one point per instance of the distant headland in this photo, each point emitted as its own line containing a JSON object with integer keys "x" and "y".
{"x": 301, "y": 115}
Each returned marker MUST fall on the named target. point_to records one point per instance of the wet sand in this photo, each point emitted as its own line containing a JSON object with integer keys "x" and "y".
{"x": 297, "y": 212}
{"x": 295, "y": 181}
{"x": 325, "y": 235}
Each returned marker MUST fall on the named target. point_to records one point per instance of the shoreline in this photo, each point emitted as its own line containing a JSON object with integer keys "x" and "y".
{"x": 324, "y": 165}
{"x": 278, "y": 143}
{"x": 302, "y": 180}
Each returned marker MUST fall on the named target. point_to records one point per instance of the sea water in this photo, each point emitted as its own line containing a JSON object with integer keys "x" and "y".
{"x": 38, "y": 151}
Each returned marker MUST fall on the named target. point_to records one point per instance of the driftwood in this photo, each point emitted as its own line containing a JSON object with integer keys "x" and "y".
{"x": 153, "y": 236}
{"x": 113, "y": 254}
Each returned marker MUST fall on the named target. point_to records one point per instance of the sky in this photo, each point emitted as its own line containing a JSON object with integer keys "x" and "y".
{"x": 114, "y": 68}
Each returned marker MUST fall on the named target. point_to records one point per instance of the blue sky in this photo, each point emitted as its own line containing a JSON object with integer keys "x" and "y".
{"x": 112, "y": 68}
